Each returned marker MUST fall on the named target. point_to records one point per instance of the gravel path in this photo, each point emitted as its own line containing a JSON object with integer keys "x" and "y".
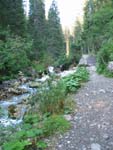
{"x": 93, "y": 123}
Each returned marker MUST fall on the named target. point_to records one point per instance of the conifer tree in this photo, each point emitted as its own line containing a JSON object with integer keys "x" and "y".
{"x": 12, "y": 16}
{"x": 88, "y": 19}
{"x": 37, "y": 27}
{"x": 55, "y": 37}
{"x": 97, "y": 27}
{"x": 78, "y": 35}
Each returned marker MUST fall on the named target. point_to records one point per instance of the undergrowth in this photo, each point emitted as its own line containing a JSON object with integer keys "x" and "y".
{"x": 45, "y": 116}
{"x": 33, "y": 131}
{"x": 73, "y": 82}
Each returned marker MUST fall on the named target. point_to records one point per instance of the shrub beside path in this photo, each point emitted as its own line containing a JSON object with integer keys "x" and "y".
{"x": 92, "y": 125}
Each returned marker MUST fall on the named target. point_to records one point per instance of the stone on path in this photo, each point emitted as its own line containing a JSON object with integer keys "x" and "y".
{"x": 87, "y": 60}
{"x": 110, "y": 66}
{"x": 95, "y": 146}
{"x": 68, "y": 117}
{"x": 102, "y": 91}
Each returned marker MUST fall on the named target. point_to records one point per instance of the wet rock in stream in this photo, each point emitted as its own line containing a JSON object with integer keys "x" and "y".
{"x": 14, "y": 95}
{"x": 12, "y": 111}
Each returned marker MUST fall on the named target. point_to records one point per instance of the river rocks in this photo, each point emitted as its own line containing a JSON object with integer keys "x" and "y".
{"x": 34, "y": 85}
{"x": 83, "y": 60}
{"x": 11, "y": 111}
{"x": 22, "y": 78}
{"x": 20, "y": 111}
{"x": 66, "y": 73}
{"x": 57, "y": 70}
{"x": 110, "y": 66}
{"x": 16, "y": 111}
{"x": 15, "y": 84}
{"x": 64, "y": 66}
{"x": 17, "y": 91}
{"x": 8, "y": 92}
{"x": 43, "y": 79}
{"x": 51, "y": 69}
{"x": 2, "y": 94}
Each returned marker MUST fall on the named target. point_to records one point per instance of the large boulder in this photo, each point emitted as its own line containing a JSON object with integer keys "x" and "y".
{"x": 87, "y": 60}
{"x": 110, "y": 66}
{"x": 16, "y": 111}
{"x": 12, "y": 111}
{"x": 51, "y": 70}
{"x": 21, "y": 77}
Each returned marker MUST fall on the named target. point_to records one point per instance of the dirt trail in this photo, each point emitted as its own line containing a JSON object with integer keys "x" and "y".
{"x": 93, "y": 123}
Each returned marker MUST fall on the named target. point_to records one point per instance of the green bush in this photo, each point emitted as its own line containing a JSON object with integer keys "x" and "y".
{"x": 55, "y": 124}
{"x": 41, "y": 145}
{"x": 65, "y": 60}
{"x": 14, "y": 56}
{"x": 15, "y": 145}
{"x": 33, "y": 132}
{"x": 104, "y": 56}
{"x": 73, "y": 81}
{"x": 50, "y": 98}
{"x": 39, "y": 67}
{"x": 82, "y": 74}
{"x": 45, "y": 61}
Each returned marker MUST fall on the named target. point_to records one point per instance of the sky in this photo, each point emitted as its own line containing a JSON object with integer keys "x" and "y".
{"x": 69, "y": 10}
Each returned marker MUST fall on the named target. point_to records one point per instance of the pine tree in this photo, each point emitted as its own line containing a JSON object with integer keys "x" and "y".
{"x": 78, "y": 35}
{"x": 12, "y": 16}
{"x": 55, "y": 41}
{"x": 88, "y": 19}
{"x": 97, "y": 27}
{"x": 37, "y": 27}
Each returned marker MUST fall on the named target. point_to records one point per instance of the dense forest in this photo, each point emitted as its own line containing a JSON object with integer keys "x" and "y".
{"x": 32, "y": 41}
{"x": 36, "y": 104}
{"x": 37, "y": 42}
{"x": 95, "y": 35}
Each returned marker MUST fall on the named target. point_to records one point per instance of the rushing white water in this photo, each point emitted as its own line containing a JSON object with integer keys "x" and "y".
{"x": 15, "y": 100}
{"x": 67, "y": 72}
{"x": 5, "y": 120}
{"x": 43, "y": 79}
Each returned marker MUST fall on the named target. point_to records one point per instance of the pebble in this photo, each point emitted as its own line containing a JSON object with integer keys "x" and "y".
{"x": 83, "y": 147}
{"x": 68, "y": 142}
{"x": 59, "y": 146}
{"x": 90, "y": 107}
{"x": 68, "y": 117}
{"x": 91, "y": 139}
{"x": 102, "y": 91}
{"x": 87, "y": 94}
{"x": 99, "y": 126}
{"x": 94, "y": 92}
{"x": 95, "y": 146}
{"x": 106, "y": 137}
